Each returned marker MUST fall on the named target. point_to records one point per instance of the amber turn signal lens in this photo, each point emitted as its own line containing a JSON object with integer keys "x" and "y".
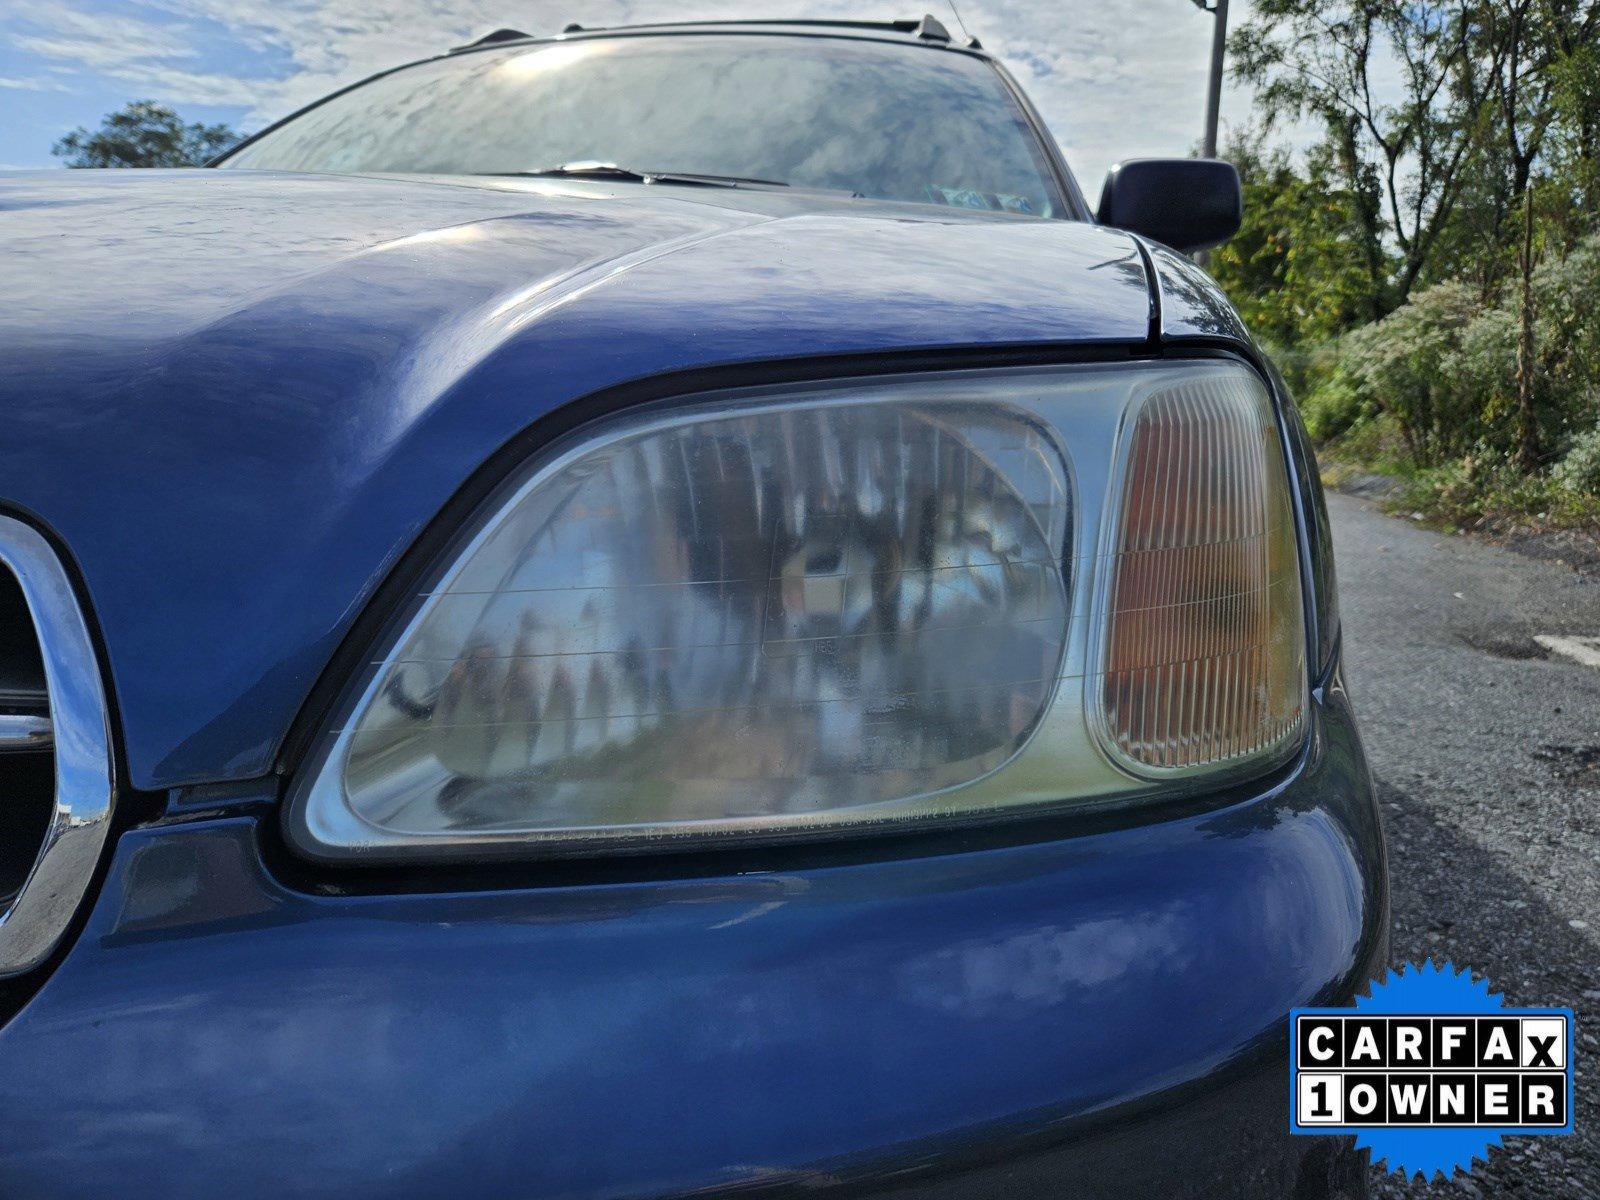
{"x": 1204, "y": 661}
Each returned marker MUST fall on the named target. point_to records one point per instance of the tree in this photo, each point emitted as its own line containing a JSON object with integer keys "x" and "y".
{"x": 1328, "y": 59}
{"x": 1290, "y": 268}
{"x": 1529, "y": 44}
{"x": 144, "y": 134}
{"x": 1453, "y": 187}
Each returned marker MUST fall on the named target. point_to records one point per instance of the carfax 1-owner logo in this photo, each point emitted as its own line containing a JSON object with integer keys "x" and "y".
{"x": 1430, "y": 1070}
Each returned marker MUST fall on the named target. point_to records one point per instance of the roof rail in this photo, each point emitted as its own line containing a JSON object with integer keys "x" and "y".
{"x": 928, "y": 28}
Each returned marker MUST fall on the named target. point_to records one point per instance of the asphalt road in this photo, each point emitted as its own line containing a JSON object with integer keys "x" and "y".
{"x": 1487, "y": 755}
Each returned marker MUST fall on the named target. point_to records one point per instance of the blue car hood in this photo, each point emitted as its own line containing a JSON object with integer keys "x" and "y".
{"x": 237, "y": 397}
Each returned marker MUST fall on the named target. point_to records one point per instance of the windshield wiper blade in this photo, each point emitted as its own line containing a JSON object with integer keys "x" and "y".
{"x": 580, "y": 170}
{"x": 605, "y": 170}
{"x": 716, "y": 180}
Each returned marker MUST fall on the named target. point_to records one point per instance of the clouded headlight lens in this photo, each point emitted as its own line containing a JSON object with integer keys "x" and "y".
{"x": 759, "y": 614}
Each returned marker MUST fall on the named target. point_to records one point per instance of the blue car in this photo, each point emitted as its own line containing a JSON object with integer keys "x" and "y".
{"x": 661, "y": 612}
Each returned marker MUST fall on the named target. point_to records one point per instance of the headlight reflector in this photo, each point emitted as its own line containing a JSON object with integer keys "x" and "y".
{"x": 836, "y": 606}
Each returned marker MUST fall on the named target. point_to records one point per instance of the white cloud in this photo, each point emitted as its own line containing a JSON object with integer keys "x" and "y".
{"x": 32, "y": 85}
{"x": 1120, "y": 78}
{"x": 178, "y": 86}
{"x": 62, "y": 31}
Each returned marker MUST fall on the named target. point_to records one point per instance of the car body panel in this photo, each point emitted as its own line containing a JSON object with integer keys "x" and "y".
{"x": 237, "y": 399}
{"x": 1192, "y": 305}
{"x": 274, "y": 381}
{"x": 224, "y": 1031}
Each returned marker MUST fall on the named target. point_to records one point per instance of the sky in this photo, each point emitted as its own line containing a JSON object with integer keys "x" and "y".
{"x": 1113, "y": 78}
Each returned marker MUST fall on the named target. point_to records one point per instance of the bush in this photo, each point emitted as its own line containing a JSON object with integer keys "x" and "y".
{"x": 1485, "y": 490}
{"x": 1335, "y": 409}
{"x": 1330, "y": 401}
{"x": 1408, "y": 365}
{"x": 1443, "y": 368}
{"x": 1483, "y": 366}
{"x": 1579, "y": 471}
{"x": 1429, "y": 395}
{"x": 1568, "y": 332}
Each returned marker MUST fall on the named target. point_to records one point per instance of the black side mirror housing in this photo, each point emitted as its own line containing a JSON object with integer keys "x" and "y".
{"x": 1187, "y": 203}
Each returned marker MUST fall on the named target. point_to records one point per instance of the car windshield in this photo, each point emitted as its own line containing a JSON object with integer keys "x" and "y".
{"x": 877, "y": 119}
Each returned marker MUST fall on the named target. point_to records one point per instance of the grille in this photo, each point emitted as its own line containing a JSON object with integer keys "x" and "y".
{"x": 55, "y": 751}
{"x": 27, "y": 760}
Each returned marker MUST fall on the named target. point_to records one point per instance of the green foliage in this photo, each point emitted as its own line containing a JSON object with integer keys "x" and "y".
{"x": 1333, "y": 403}
{"x": 1475, "y": 491}
{"x": 1441, "y": 374}
{"x": 1579, "y": 471}
{"x": 1396, "y": 140}
{"x": 1289, "y": 267}
{"x": 144, "y": 134}
{"x": 1402, "y": 366}
{"x": 1429, "y": 271}
{"x": 1566, "y": 295}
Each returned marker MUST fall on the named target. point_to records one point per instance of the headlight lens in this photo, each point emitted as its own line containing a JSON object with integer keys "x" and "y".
{"x": 1204, "y": 661}
{"x": 859, "y": 604}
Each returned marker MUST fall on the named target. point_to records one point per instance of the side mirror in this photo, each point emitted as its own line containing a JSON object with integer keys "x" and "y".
{"x": 1188, "y": 203}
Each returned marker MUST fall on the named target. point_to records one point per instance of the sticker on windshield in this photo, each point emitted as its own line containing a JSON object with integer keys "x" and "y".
{"x": 972, "y": 198}
{"x": 958, "y": 197}
{"x": 1430, "y": 1070}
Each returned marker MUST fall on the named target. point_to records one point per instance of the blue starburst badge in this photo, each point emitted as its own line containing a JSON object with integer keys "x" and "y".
{"x": 1430, "y": 1069}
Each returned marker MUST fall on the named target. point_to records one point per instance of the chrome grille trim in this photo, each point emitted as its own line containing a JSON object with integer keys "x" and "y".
{"x": 40, "y": 912}
{"x": 24, "y": 732}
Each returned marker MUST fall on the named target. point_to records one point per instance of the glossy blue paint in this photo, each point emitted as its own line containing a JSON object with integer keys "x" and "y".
{"x": 1192, "y": 305}
{"x": 224, "y": 1034}
{"x": 238, "y": 396}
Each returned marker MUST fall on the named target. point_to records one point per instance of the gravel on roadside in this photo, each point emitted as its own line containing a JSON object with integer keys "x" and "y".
{"x": 1487, "y": 754}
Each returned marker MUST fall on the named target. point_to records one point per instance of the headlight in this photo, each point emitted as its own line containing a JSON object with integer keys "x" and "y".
{"x": 803, "y": 609}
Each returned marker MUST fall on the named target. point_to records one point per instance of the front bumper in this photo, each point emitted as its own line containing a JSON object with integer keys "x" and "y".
{"x": 1103, "y": 1014}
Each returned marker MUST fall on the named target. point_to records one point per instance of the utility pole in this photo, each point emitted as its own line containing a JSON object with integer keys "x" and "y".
{"x": 1219, "y": 49}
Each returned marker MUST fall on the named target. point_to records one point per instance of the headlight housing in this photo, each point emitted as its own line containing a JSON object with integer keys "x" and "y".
{"x": 808, "y": 609}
